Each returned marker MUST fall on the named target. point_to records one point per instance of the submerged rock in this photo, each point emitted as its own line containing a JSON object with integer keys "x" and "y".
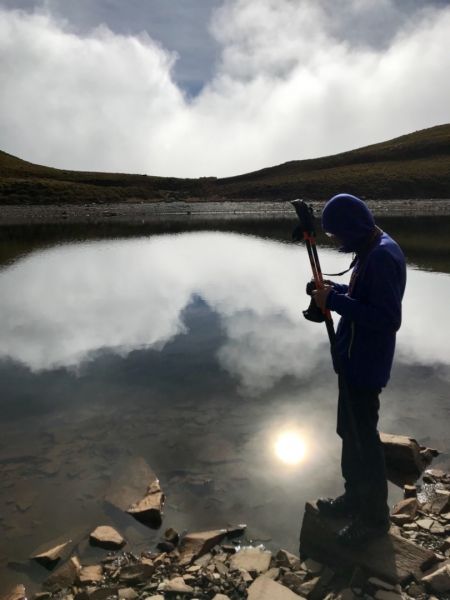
{"x": 136, "y": 490}
{"x": 50, "y": 554}
{"x": 149, "y": 509}
{"x": 195, "y": 545}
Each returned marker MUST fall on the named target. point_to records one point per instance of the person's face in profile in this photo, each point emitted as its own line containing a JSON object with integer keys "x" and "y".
{"x": 334, "y": 238}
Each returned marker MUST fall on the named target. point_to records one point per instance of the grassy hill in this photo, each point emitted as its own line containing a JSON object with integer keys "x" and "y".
{"x": 416, "y": 165}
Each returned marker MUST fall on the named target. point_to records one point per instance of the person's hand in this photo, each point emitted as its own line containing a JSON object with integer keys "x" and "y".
{"x": 320, "y": 296}
{"x": 311, "y": 285}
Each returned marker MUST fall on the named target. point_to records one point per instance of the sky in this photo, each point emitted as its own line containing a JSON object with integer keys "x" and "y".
{"x": 193, "y": 88}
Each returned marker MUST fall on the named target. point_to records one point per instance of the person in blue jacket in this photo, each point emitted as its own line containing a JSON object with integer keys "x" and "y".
{"x": 371, "y": 314}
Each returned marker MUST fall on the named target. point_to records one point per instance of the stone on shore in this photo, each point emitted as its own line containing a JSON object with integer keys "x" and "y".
{"x": 439, "y": 580}
{"x": 94, "y": 593}
{"x": 380, "y": 584}
{"x": 49, "y": 555}
{"x": 288, "y": 560}
{"x": 91, "y": 574}
{"x": 138, "y": 573}
{"x": 65, "y": 575}
{"x": 194, "y": 545}
{"x": 405, "y": 458}
{"x": 106, "y": 537}
{"x": 17, "y": 592}
{"x": 171, "y": 536}
{"x": 404, "y": 511}
{"x": 409, "y": 491}
{"x": 264, "y": 588}
{"x": 293, "y": 581}
{"x": 253, "y": 560}
{"x": 387, "y": 595}
{"x": 127, "y": 594}
{"x": 176, "y": 585}
{"x": 135, "y": 489}
{"x": 440, "y": 504}
{"x": 436, "y": 476}
{"x": 236, "y": 531}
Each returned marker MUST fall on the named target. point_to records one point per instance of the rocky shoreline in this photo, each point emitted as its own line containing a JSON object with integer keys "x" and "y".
{"x": 411, "y": 561}
{"x": 140, "y": 212}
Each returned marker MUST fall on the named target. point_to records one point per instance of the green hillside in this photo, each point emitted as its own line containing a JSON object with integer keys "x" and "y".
{"x": 416, "y": 165}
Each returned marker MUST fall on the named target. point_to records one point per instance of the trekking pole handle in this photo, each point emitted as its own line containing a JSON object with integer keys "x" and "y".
{"x": 306, "y": 228}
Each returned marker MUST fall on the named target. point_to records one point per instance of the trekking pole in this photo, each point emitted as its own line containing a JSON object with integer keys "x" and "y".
{"x": 313, "y": 313}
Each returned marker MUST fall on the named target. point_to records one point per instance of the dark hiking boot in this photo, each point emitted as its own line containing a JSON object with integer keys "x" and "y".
{"x": 337, "y": 507}
{"x": 359, "y": 532}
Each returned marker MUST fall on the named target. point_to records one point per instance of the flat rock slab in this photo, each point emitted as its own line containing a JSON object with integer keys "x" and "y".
{"x": 264, "y": 588}
{"x": 253, "y": 560}
{"x": 106, "y": 537}
{"x": 135, "y": 489}
{"x": 390, "y": 557}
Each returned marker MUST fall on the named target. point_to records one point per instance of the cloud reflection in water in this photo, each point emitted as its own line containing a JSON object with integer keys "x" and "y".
{"x": 62, "y": 306}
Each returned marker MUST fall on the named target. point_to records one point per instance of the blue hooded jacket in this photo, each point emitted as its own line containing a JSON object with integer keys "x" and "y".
{"x": 371, "y": 305}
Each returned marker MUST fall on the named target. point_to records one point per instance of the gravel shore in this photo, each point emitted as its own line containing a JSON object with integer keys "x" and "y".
{"x": 142, "y": 212}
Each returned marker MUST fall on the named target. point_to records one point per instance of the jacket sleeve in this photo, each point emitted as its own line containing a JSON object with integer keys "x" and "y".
{"x": 340, "y": 288}
{"x": 382, "y": 310}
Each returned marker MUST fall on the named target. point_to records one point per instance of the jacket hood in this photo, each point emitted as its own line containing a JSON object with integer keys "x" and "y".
{"x": 349, "y": 219}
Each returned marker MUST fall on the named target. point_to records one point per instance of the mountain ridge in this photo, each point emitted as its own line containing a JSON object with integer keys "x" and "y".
{"x": 415, "y": 165}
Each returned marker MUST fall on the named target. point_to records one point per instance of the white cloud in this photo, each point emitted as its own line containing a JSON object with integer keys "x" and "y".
{"x": 287, "y": 87}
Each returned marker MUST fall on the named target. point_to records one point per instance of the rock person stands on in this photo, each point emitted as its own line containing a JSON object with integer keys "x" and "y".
{"x": 371, "y": 313}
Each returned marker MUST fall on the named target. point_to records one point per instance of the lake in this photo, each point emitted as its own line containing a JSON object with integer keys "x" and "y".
{"x": 183, "y": 343}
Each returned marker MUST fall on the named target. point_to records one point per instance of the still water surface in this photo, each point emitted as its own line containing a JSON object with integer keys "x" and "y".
{"x": 188, "y": 348}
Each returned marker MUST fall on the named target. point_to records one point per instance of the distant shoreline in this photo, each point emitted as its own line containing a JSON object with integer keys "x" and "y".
{"x": 151, "y": 211}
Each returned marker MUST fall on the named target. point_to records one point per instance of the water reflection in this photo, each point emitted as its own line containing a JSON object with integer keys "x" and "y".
{"x": 63, "y": 306}
{"x": 189, "y": 351}
{"x": 290, "y": 447}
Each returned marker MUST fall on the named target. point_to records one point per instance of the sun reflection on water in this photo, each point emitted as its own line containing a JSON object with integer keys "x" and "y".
{"x": 289, "y": 447}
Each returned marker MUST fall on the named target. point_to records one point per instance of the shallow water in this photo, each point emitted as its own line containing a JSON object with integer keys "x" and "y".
{"x": 187, "y": 348}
